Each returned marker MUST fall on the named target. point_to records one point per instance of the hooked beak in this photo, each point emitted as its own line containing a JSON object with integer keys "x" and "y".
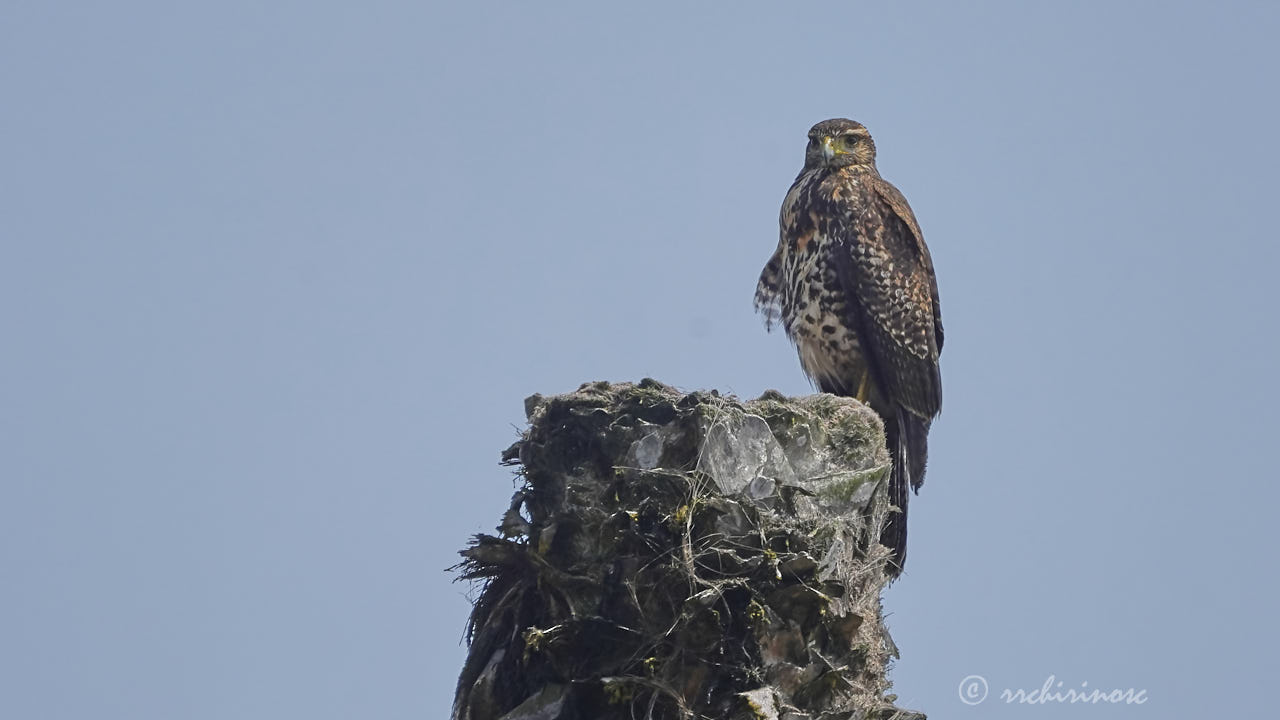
{"x": 828, "y": 150}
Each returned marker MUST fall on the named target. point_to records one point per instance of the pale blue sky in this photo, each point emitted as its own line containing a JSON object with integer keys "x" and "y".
{"x": 275, "y": 279}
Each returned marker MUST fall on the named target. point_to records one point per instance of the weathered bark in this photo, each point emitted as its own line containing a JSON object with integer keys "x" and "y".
{"x": 679, "y": 555}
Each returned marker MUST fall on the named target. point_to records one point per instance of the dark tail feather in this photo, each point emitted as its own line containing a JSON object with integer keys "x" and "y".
{"x": 908, "y": 441}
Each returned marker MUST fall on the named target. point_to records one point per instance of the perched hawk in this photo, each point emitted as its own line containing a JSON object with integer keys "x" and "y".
{"x": 853, "y": 285}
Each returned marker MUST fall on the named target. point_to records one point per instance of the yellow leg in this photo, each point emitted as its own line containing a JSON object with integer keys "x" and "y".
{"x": 862, "y": 387}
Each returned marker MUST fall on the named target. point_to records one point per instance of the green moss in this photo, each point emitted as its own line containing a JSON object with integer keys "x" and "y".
{"x": 618, "y": 691}
{"x": 843, "y": 487}
{"x": 533, "y": 641}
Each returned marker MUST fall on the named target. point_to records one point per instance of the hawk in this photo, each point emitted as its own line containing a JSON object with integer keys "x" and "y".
{"x": 852, "y": 284}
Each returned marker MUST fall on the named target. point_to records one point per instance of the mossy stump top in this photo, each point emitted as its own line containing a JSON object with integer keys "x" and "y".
{"x": 673, "y": 555}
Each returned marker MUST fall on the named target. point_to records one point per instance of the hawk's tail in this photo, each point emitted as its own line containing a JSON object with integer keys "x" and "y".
{"x": 908, "y": 440}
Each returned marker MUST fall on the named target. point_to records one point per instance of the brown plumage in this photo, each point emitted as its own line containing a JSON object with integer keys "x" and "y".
{"x": 853, "y": 285}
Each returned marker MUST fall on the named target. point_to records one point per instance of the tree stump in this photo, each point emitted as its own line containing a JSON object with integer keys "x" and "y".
{"x": 674, "y": 555}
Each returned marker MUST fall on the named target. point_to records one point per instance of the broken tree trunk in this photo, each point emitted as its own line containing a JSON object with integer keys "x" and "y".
{"x": 679, "y": 555}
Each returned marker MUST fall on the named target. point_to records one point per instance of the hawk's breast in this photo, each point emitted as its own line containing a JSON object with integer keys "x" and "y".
{"x": 814, "y": 306}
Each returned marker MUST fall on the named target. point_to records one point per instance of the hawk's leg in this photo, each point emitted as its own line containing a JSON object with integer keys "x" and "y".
{"x": 862, "y": 387}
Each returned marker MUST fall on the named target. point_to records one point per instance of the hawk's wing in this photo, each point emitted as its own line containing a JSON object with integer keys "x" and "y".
{"x": 898, "y": 204}
{"x": 886, "y": 272}
{"x": 768, "y": 290}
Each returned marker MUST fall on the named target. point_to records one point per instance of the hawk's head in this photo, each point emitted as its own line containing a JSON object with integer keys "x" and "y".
{"x": 839, "y": 143}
